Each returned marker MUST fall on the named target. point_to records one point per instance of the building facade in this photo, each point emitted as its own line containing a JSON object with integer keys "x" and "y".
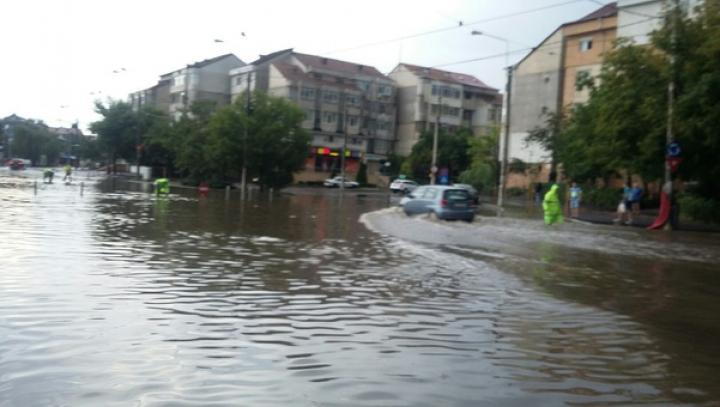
{"x": 427, "y": 96}
{"x": 349, "y": 107}
{"x": 545, "y": 81}
{"x": 204, "y": 80}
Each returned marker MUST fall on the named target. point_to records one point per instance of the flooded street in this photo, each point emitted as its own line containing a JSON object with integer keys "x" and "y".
{"x": 116, "y": 297}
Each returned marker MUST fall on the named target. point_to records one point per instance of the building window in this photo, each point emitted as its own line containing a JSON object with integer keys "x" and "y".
{"x": 356, "y": 141}
{"x": 340, "y": 80}
{"x": 467, "y": 114}
{"x": 330, "y": 117}
{"x": 352, "y": 120}
{"x": 351, "y": 100}
{"x": 307, "y": 93}
{"x": 363, "y": 86}
{"x": 583, "y": 79}
{"x": 179, "y": 80}
{"x": 310, "y": 116}
{"x": 330, "y": 139}
{"x": 193, "y": 79}
{"x": 384, "y": 90}
{"x": 585, "y": 44}
{"x": 331, "y": 97}
{"x": 238, "y": 80}
{"x": 383, "y": 125}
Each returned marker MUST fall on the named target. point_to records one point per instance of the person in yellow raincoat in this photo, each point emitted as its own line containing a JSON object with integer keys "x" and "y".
{"x": 551, "y": 206}
{"x": 162, "y": 186}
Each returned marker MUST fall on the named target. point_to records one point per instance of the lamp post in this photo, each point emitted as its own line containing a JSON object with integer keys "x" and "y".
{"x": 504, "y": 140}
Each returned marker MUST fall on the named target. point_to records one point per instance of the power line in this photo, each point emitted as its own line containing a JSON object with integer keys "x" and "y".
{"x": 453, "y": 27}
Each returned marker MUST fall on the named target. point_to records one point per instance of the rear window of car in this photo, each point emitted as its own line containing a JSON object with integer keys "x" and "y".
{"x": 456, "y": 195}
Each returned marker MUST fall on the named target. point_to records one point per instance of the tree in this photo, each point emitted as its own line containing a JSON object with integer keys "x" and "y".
{"x": 116, "y": 131}
{"x": 483, "y": 152}
{"x": 270, "y": 137}
{"x": 32, "y": 140}
{"x": 186, "y": 140}
{"x": 548, "y": 137}
{"x": 362, "y": 174}
{"x": 452, "y": 153}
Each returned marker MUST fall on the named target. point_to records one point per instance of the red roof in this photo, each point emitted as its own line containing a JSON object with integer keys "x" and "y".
{"x": 607, "y": 10}
{"x": 439, "y": 74}
{"x": 337, "y": 65}
{"x": 293, "y": 72}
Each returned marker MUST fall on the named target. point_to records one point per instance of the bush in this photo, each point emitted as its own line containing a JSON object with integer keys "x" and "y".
{"x": 601, "y": 197}
{"x": 517, "y": 191}
{"x": 480, "y": 177}
{"x": 362, "y": 174}
{"x": 699, "y": 208}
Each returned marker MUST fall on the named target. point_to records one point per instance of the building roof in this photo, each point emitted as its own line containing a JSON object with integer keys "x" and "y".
{"x": 337, "y": 65}
{"x": 440, "y": 75}
{"x": 293, "y": 72}
{"x": 268, "y": 57}
{"x": 203, "y": 63}
{"x": 210, "y": 61}
{"x": 13, "y": 118}
{"x": 607, "y": 10}
{"x": 60, "y": 131}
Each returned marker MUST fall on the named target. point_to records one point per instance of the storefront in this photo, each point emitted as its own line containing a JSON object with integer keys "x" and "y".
{"x": 323, "y": 159}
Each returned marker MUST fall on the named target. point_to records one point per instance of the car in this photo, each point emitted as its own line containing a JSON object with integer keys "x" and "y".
{"x": 403, "y": 185}
{"x": 441, "y": 202}
{"x": 16, "y": 164}
{"x": 473, "y": 192}
{"x": 338, "y": 181}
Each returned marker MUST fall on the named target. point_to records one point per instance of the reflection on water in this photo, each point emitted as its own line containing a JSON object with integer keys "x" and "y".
{"x": 122, "y": 298}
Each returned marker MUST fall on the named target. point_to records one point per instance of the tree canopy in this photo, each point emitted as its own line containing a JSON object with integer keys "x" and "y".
{"x": 452, "y": 153}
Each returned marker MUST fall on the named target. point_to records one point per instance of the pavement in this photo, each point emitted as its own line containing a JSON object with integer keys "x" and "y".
{"x": 594, "y": 215}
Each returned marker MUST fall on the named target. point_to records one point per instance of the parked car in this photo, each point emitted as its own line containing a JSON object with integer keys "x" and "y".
{"x": 337, "y": 181}
{"x": 441, "y": 202}
{"x": 403, "y": 185}
{"x": 16, "y": 164}
{"x": 473, "y": 192}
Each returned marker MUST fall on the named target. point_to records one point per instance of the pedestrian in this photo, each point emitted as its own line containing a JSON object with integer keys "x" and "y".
{"x": 575, "y": 196}
{"x": 551, "y": 206}
{"x": 624, "y": 205}
{"x": 635, "y": 197}
{"x": 48, "y": 175}
{"x": 68, "y": 173}
{"x": 162, "y": 186}
{"x": 538, "y": 192}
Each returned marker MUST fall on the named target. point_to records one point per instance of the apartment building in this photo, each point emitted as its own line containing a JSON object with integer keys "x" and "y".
{"x": 545, "y": 80}
{"x": 176, "y": 90}
{"x": 349, "y": 107}
{"x": 427, "y": 96}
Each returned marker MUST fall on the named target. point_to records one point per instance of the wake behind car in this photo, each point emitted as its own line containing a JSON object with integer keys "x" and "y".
{"x": 338, "y": 181}
{"x": 441, "y": 202}
{"x": 403, "y": 185}
{"x": 16, "y": 164}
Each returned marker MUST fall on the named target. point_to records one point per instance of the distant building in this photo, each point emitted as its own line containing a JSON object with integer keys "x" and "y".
{"x": 637, "y": 19}
{"x": 545, "y": 80}
{"x": 345, "y": 103}
{"x": 176, "y": 90}
{"x": 461, "y": 100}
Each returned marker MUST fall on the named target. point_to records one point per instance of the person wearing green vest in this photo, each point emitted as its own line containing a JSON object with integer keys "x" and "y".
{"x": 162, "y": 186}
{"x": 48, "y": 175}
{"x": 68, "y": 173}
{"x": 551, "y": 206}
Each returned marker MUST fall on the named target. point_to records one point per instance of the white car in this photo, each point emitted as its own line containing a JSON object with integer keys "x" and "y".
{"x": 403, "y": 185}
{"x": 337, "y": 181}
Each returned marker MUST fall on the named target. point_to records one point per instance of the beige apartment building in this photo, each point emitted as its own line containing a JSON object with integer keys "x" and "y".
{"x": 428, "y": 95}
{"x": 349, "y": 107}
{"x": 545, "y": 81}
{"x": 204, "y": 80}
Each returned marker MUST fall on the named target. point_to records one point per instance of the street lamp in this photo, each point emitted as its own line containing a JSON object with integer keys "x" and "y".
{"x": 506, "y": 136}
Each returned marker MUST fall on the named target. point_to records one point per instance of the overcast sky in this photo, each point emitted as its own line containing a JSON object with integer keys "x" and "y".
{"x": 58, "y": 55}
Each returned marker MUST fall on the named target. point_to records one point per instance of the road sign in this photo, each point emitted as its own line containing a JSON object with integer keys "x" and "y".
{"x": 674, "y": 163}
{"x": 673, "y": 149}
{"x": 433, "y": 169}
{"x": 138, "y": 148}
{"x": 444, "y": 180}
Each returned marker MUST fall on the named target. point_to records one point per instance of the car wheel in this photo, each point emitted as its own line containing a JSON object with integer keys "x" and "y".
{"x": 405, "y": 191}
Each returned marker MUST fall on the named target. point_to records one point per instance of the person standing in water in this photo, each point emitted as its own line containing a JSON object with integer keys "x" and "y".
{"x": 68, "y": 173}
{"x": 551, "y": 206}
{"x": 575, "y": 196}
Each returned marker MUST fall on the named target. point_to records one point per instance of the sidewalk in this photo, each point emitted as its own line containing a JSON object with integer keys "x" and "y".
{"x": 603, "y": 217}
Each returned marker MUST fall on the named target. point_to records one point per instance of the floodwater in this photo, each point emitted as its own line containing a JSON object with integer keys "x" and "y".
{"x": 117, "y": 298}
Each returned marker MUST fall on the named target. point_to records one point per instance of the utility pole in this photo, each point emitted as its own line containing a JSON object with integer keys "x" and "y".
{"x": 344, "y": 149}
{"x": 505, "y": 141}
{"x": 433, "y": 167}
{"x": 670, "y": 137}
{"x": 243, "y": 177}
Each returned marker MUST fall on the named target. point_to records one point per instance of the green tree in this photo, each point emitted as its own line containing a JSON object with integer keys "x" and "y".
{"x": 483, "y": 171}
{"x": 548, "y": 136}
{"x": 186, "y": 140}
{"x": 452, "y": 153}
{"x": 270, "y": 137}
{"x": 32, "y": 140}
{"x": 116, "y": 131}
